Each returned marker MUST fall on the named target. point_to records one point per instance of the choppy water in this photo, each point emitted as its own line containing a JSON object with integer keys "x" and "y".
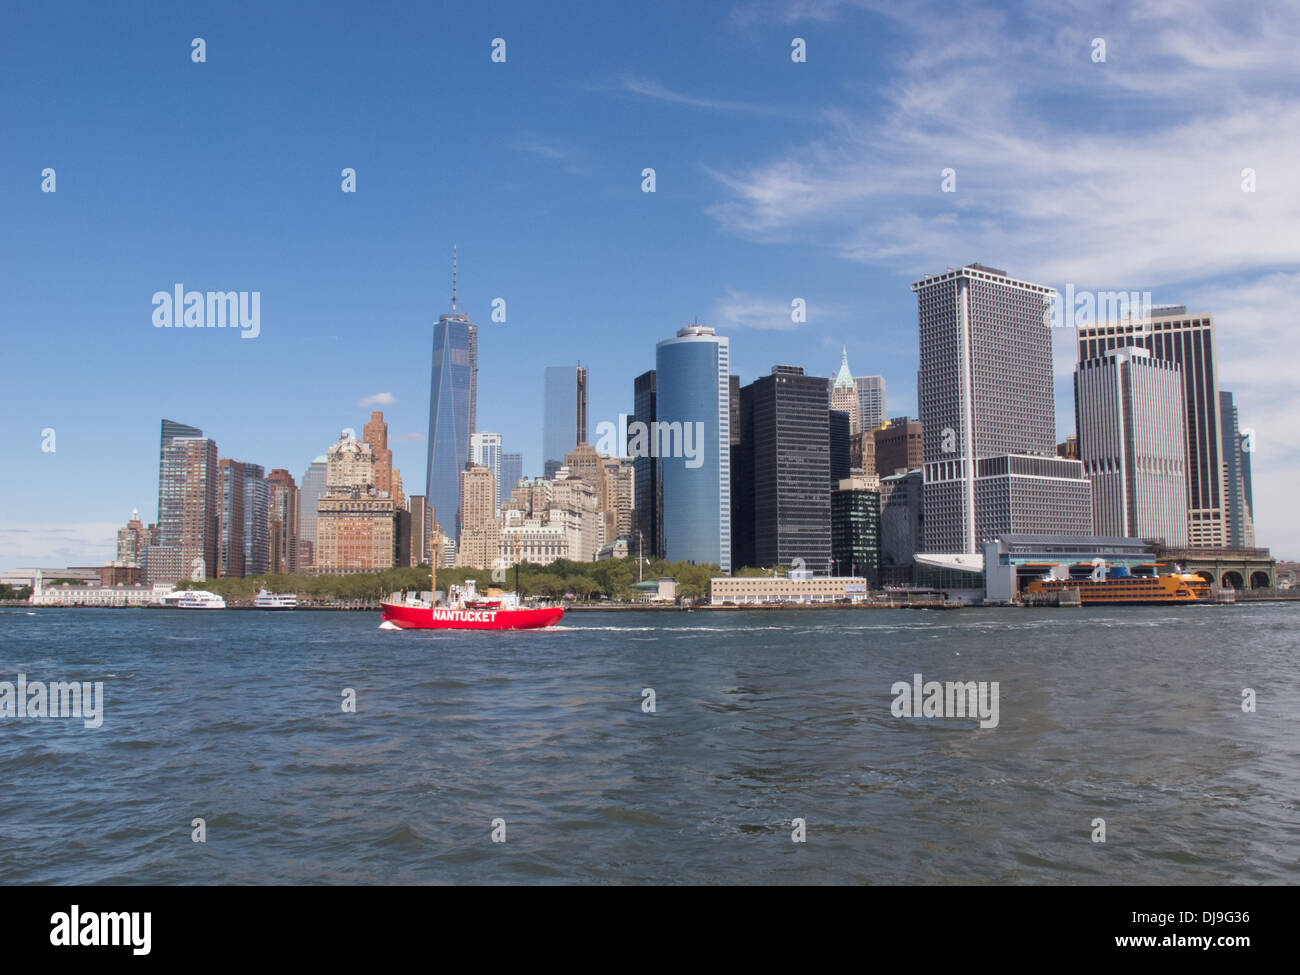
{"x": 1132, "y": 715}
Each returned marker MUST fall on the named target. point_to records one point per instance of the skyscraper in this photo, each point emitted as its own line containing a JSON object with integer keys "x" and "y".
{"x": 512, "y": 472}
{"x": 899, "y": 446}
{"x": 421, "y": 525}
{"x": 988, "y": 415}
{"x": 311, "y": 489}
{"x": 282, "y": 520}
{"x": 356, "y": 529}
{"x": 844, "y": 393}
{"x": 169, "y": 505}
{"x": 1172, "y": 335}
{"x": 646, "y": 493}
{"x": 189, "y": 493}
{"x": 841, "y": 446}
{"x": 855, "y": 527}
{"x": 1239, "y": 504}
{"x": 1129, "y": 413}
{"x": 480, "y": 532}
{"x": 485, "y": 450}
{"x": 564, "y": 413}
{"x": 257, "y": 508}
{"x": 375, "y": 433}
{"x": 452, "y": 395}
{"x": 871, "y": 401}
{"x": 230, "y": 520}
{"x": 693, "y": 437}
{"x": 782, "y": 486}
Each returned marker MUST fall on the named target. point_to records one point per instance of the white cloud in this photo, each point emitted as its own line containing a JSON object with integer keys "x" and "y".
{"x": 739, "y": 310}
{"x": 379, "y": 399}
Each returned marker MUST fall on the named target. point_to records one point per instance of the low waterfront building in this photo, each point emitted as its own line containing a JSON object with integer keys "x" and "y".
{"x": 103, "y": 596}
{"x": 661, "y": 590}
{"x": 798, "y": 587}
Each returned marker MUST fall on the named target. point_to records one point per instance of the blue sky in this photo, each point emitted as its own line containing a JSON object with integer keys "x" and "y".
{"x": 775, "y": 180}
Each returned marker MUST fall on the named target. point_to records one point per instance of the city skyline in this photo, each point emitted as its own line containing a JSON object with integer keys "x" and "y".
{"x": 715, "y": 239}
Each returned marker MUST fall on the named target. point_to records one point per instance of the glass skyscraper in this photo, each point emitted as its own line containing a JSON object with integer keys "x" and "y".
{"x": 313, "y": 488}
{"x": 512, "y": 472}
{"x": 693, "y": 440}
{"x": 485, "y": 450}
{"x": 257, "y": 532}
{"x": 452, "y": 390}
{"x": 564, "y": 414}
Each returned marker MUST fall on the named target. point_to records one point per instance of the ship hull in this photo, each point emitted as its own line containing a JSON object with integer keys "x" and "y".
{"x": 424, "y": 618}
{"x": 1129, "y": 591}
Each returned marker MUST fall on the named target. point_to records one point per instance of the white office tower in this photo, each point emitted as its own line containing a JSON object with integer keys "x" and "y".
{"x": 1132, "y": 442}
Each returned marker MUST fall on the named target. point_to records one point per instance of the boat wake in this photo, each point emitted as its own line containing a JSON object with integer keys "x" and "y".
{"x": 388, "y": 625}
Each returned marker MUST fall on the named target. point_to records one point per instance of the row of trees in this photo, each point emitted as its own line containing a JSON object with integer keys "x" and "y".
{"x": 14, "y": 592}
{"x": 611, "y": 579}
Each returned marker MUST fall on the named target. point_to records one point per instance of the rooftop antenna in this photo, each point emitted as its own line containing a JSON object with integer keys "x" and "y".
{"x": 453, "y": 277}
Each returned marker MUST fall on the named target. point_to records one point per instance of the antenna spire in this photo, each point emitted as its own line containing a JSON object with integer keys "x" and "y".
{"x": 453, "y": 277}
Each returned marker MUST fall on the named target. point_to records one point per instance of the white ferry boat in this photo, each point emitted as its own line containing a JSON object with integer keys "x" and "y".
{"x": 273, "y": 600}
{"x": 193, "y": 599}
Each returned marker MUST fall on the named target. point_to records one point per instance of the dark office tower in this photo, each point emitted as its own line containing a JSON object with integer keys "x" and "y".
{"x": 1236, "y": 461}
{"x": 733, "y": 400}
{"x": 257, "y": 534}
{"x": 581, "y": 406}
{"x": 646, "y": 495}
{"x": 564, "y": 414}
{"x": 1172, "y": 335}
{"x": 420, "y": 523}
{"x": 988, "y": 414}
{"x": 785, "y": 477}
{"x": 855, "y": 528}
{"x": 189, "y": 493}
{"x": 230, "y": 520}
{"x": 840, "y": 424}
{"x": 452, "y": 395}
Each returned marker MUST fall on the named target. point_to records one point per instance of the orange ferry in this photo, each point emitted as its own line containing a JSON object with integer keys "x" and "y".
{"x": 1115, "y": 585}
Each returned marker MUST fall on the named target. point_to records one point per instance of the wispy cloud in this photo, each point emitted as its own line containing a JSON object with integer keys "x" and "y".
{"x": 647, "y": 88}
{"x": 1065, "y": 168}
{"x": 57, "y": 546}
{"x": 378, "y": 399}
{"x": 739, "y": 310}
{"x": 409, "y": 438}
